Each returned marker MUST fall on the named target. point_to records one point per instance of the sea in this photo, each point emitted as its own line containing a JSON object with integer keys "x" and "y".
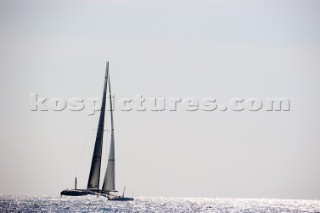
{"x": 9, "y": 203}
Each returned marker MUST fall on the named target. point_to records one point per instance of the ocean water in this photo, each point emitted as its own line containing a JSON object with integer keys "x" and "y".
{"x": 156, "y": 204}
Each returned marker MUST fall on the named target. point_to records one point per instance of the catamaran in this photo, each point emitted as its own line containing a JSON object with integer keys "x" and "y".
{"x": 93, "y": 187}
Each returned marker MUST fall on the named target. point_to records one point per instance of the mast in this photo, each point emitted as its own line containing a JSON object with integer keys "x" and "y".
{"x": 75, "y": 183}
{"x": 109, "y": 178}
{"x": 94, "y": 176}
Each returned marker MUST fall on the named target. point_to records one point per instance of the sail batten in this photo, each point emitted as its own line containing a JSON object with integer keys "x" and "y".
{"x": 109, "y": 179}
{"x": 94, "y": 176}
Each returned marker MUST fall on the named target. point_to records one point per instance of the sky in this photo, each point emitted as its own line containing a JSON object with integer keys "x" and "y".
{"x": 218, "y": 49}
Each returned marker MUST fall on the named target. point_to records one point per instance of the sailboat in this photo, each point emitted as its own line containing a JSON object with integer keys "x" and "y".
{"x": 93, "y": 187}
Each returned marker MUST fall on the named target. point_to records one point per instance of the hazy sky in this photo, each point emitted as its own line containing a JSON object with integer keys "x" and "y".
{"x": 219, "y": 49}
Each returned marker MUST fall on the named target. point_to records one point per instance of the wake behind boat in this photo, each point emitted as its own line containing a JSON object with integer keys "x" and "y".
{"x": 108, "y": 187}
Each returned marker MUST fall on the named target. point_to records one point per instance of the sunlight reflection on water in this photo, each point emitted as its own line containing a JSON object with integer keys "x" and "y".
{"x": 157, "y": 204}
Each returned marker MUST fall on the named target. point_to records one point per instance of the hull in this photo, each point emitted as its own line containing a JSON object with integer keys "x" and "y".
{"x": 84, "y": 192}
{"x": 76, "y": 192}
{"x": 121, "y": 199}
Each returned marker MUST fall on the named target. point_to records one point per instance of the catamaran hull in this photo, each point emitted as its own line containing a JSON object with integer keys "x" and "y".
{"x": 84, "y": 192}
{"x": 121, "y": 199}
{"x": 76, "y": 192}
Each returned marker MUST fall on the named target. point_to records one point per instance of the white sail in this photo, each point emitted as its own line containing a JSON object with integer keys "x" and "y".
{"x": 109, "y": 178}
{"x": 94, "y": 176}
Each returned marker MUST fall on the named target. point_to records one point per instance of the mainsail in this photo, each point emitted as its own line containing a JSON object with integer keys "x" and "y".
{"x": 109, "y": 178}
{"x": 94, "y": 177}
